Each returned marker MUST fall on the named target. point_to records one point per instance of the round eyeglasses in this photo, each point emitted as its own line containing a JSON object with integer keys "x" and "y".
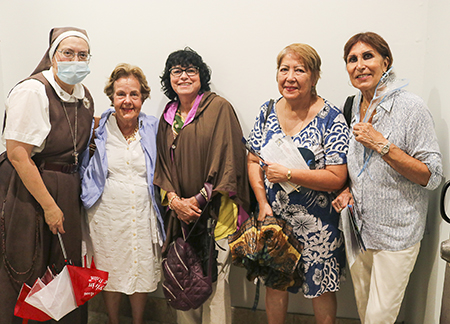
{"x": 190, "y": 71}
{"x": 69, "y": 54}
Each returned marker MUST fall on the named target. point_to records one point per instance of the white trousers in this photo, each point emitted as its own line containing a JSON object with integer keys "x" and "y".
{"x": 380, "y": 279}
{"x": 217, "y": 309}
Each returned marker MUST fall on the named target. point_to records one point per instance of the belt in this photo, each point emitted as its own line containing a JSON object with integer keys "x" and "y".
{"x": 64, "y": 168}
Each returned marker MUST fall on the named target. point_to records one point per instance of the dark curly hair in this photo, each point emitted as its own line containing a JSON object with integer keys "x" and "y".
{"x": 185, "y": 58}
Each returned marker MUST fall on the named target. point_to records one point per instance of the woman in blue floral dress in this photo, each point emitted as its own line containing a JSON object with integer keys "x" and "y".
{"x": 318, "y": 129}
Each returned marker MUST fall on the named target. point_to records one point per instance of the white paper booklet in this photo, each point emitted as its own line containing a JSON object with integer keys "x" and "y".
{"x": 283, "y": 151}
{"x": 354, "y": 244}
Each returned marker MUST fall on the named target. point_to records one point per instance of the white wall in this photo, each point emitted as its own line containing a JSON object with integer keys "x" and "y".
{"x": 240, "y": 41}
{"x": 425, "y": 290}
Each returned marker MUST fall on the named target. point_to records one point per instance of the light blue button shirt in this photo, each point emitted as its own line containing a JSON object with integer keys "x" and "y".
{"x": 391, "y": 209}
{"x": 94, "y": 171}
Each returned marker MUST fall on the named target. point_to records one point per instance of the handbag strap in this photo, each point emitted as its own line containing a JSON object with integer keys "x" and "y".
{"x": 184, "y": 225}
{"x": 269, "y": 110}
{"x": 210, "y": 232}
{"x": 348, "y": 109}
{"x": 210, "y": 228}
{"x": 4, "y": 123}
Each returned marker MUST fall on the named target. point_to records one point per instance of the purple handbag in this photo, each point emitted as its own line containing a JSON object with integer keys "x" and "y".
{"x": 185, "y": 285}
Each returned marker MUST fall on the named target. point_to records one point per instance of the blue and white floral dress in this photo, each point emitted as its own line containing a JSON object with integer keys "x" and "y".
{"x": 324, "y": 141}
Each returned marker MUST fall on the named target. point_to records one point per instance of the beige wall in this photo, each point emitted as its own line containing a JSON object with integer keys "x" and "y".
{"x": 240, "y": 40}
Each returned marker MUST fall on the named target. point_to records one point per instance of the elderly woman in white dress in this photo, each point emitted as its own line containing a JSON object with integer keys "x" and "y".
{"x": 117, "y": 190}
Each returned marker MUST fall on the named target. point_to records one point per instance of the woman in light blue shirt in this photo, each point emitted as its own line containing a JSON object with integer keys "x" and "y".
{"x": 393, "y": 162}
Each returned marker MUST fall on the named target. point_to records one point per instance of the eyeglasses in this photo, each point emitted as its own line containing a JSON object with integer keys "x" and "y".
{"x": 69, "y": 54}
{"x": 190, "y": 71}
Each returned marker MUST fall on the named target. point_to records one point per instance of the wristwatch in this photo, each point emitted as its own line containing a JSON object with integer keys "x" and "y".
{"x": 385, "y": 148}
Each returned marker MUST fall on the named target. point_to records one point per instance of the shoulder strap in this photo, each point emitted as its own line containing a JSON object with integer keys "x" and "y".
{"x": 4, "y": 123}
{"x": 348, "y": 109}
{"x": 96, "y": 124}
{"x": 187, "y": 234}
{"x": 269, "y": 109}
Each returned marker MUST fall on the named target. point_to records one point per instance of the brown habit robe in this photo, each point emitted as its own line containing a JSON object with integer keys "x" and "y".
{"x": 26, "y": 241}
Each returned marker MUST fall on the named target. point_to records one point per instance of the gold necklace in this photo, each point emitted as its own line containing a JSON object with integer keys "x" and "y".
{"x": 364, "y": 108}
{"x": 132, "y": 137}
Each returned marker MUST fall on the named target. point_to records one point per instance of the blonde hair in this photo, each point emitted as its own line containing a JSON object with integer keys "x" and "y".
{"x": 309, "y": 57}
{"x": 125, "y": 70}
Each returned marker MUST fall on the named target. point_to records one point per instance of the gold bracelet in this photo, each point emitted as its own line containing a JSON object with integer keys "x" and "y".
{"x": 204, "y": 193}
{"x": 171, "y": 200}
{"x": 289, "y": 175}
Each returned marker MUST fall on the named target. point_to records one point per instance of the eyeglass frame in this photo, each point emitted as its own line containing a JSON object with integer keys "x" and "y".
{"x": 184, "y": 70}
{"x": 77, "y": 54}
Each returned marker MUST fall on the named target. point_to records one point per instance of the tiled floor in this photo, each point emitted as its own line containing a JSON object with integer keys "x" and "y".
{"x": 158, "y": 312}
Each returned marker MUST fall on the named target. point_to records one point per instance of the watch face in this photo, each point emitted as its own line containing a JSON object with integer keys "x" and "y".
{"x": 385, "y": 149}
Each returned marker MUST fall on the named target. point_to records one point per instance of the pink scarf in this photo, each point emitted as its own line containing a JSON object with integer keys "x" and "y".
{"x": 171, "y": 110}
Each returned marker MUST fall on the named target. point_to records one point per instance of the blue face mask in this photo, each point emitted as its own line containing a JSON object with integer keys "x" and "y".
{"x": 72, "y": 72}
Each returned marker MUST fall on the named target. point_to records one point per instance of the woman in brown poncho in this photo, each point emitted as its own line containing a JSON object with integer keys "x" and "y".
{"x": 199, "y": 141}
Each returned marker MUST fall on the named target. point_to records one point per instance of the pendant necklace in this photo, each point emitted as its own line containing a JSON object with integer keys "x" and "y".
{"x": 72, "y": 133}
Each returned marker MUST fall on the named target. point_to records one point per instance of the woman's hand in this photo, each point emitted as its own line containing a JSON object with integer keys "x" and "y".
{"x": 187, "y": 209}
{"x": 408, "y": 166}
{"x": 264, "y": 210}
{"x": 275, "y": 172}
{"x": 366, "y": 135}
{"x": 343, "y": 200}
{"x": 54, "y": 218}
{"x": 255, "y": 175}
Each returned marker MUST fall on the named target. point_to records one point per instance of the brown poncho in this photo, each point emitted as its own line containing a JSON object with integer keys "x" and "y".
{"x": 209, "y": 149}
